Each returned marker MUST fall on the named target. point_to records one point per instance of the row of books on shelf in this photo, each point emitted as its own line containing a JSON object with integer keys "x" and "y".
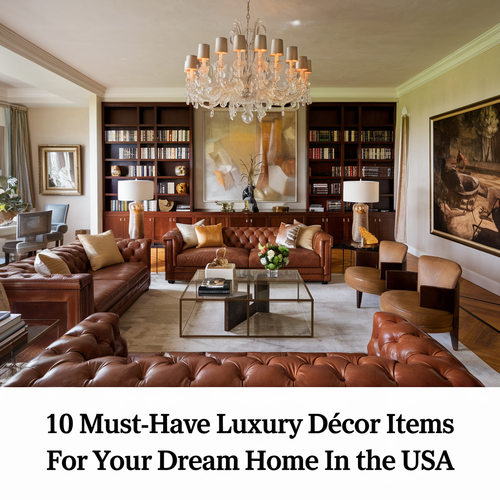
{"x": 13, "y": 331}
{"x": 122, "y": 206}
{"x": 177, "y": 153}
{"x": 148, "y": 135}
{"x": 376, "y": 153}
{"x": 377, "y": 135}
{"x": 324, "y": 135}
{"x": 141, "y": 170}
{"x": 351, "y": 171}
{"x": 322, "y": 153}
{"x": 374, "y": 171}
{"x": 325, "y": 188}
{"x": 165, "y": 188}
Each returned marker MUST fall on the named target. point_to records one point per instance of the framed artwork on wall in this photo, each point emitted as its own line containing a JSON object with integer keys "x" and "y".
{"x": 231, "y": 146}
{"x": 465, "y": 175}
{"x": 59, "y": 170}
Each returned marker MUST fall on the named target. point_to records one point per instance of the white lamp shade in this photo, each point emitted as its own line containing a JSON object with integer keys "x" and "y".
{"x": 361, "y": 191}
{"x": 135, "y": 190}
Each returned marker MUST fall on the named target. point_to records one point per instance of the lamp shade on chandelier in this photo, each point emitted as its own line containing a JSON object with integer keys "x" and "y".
{"x": 254, "y": 82}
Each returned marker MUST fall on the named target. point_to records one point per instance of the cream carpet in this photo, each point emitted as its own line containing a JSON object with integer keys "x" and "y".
{"x": 152, "y": 324}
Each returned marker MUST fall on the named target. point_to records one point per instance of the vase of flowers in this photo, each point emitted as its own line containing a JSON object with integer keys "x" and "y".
{"x": 10, "y": 201}
{"x": 273, "y": 257}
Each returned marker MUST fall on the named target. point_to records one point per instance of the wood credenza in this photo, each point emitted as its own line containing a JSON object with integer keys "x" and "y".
{"x": 156, "y": 224}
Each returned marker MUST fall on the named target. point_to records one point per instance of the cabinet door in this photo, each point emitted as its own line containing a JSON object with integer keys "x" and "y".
{"x": 335, "y": 228}
{"x": 317, "y": 220}
{"x": 277, "y": 219}
{"x": 382, "y": 225}
{"x": 257, "y": 220}
{"x": 118, "y": 223}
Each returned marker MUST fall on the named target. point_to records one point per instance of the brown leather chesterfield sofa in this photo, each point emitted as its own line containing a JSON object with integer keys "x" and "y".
{"x": 94, "y": 354}
{"x": 71, "y": 298}
{"x": 242, "y": 249}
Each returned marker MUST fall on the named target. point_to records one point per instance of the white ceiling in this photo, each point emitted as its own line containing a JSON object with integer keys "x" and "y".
{"x": 130, "y": 48}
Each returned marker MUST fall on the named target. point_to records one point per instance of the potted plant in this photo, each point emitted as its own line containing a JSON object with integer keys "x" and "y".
{"x": 273, "y": 257}
{"x": 10, "y": 201}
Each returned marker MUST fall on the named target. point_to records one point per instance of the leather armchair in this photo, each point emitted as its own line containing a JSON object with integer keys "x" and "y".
{"x": 429, "y": 298}
{"x": 369, "y": 271}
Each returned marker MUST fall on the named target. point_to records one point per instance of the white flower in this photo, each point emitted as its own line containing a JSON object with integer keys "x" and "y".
{"x": 2, "y": 191}
{"x": 263, "y": 261}
{"x": 270, "y": 254}
{"x": 12, "y": 181}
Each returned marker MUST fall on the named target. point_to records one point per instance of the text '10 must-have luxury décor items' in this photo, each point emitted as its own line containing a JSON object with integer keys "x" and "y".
{"x": 252, "y": 83}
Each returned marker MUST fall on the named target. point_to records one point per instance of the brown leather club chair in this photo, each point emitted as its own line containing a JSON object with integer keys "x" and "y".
{"x": 369, "y": 270}
{"x": 429, "y": 298}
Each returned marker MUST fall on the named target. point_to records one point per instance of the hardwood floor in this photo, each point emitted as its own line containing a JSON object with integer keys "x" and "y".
{"x": 479, "y": 309}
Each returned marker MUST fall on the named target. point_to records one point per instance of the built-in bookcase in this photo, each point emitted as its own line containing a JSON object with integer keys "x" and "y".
{"x": 350, "y": 141}
{"x": 148, "y": 141}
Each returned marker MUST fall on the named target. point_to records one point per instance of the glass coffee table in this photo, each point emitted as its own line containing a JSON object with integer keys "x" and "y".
{"x": 258, "y": 306}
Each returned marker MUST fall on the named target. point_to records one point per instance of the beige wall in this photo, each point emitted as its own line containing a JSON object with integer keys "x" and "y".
{"x": 473, "y": 81}
{"x": 63, "y": 126}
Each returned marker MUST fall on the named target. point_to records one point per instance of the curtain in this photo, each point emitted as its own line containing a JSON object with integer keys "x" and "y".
{"x": 401, "y": 207}
{"x": 20, "y": 157}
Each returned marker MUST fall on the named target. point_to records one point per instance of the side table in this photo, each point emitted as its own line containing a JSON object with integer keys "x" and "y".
{"x": 355, "y": 245}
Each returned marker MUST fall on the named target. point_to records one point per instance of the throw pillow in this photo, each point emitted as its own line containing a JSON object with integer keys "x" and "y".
{"x": 209, "y": 236}
{"x": 287, "y": 235}
{"x": 306, "y": 234}
{"x": 47, "y": 262}
{"x": 189, "y": 234}
{"x": 101, "y": 249}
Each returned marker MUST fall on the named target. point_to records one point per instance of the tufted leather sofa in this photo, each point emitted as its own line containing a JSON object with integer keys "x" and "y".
{"x": 242, "y": 249}
{"x": 71, "y": 298}
{"x": 94, "y": 354}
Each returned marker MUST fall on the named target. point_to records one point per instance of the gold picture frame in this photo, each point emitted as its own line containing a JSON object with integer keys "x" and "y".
{"x": 59, "y": 170}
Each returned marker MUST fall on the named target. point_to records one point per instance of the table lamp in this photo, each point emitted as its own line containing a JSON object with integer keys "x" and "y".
{"x": 360, "y": 193}
{"x": 136, "y": 191}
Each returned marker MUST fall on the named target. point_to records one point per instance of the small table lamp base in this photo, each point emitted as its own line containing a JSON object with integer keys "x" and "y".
{"x": 136, "y": 221}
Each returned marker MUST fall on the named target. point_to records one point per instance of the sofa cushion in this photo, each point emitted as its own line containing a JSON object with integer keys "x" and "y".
{"x": 306, "y": 235}
{"x": 287, "y": 235}
{"x": 188, "y": 233}
{"x": 209, "y": 236}
{"x": 101, "y": 249}
{"x": 131, "y": 272}
{"x": 108, "y": 292}
{"x": 47, "y": 263}
{"x": 200, "y": 257}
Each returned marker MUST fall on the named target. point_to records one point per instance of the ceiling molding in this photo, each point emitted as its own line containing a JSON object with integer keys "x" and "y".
{"x": 353, "y": 94}
{"x": 479, "y": 45}
{"x": 19, "y": 45}
{"x": 145, "y": 94}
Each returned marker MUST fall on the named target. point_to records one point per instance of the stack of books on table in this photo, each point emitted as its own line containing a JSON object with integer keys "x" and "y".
{"x": 13, "y": 331}
{"x": 215, "y": 286}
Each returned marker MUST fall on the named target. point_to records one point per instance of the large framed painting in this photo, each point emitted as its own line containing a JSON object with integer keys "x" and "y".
{"x": 231, "y": 147}
{"x": 465, "y": 175}
{"x": 59, "y": 170}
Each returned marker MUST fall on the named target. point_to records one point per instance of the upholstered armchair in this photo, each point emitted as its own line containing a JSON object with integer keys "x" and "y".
{"x": 58, "y": 226}
{"x": 369, "y": 271}
{"x": 429, "y": 298}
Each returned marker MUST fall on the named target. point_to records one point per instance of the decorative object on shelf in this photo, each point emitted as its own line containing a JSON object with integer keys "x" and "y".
{"x": 273, "y": 257}
{"x": 165, "y": 205}
{"x": 116, "y": 171}
{"x": 136, "y": 191}
{"x": 280, "y": 209}
{"x": 367, "y": 237}
{"x": 59, "y": 170}
{"x": 360, "y": 193}
{"x": 10, "y": 202}
{"x": 249, "y": 199}
{"x": 249, "y": 176}
{"x": 182, "y": 188}
{"x": 220, "y": 267}
{"x": 252, "y": 84}
{"x": 180, "y": 170}
{"x": 226, "y": 206}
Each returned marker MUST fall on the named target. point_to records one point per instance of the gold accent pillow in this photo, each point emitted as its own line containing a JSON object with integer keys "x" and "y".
{"x": 209, "y": 236}
{"x": 306, "y": 235}
{"x": 287, "y": 235}
{"x": 47, "y": 262}
{"x": 189, "y": 234}
{"x": 101, "y": 249}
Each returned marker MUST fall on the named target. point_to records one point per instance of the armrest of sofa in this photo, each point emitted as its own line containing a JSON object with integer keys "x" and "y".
{"x": 173, "y": 242}
{"x": 418, "y": 355}
{"x": 97, "y": 336}
{"x": 401, "y": 280}
{"x": 135, "y": 250}
{"x": 322, "y": 244}
{"x": 69, "y": 298}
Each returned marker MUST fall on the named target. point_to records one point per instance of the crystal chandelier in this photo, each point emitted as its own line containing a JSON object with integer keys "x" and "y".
{"x": 253, "y": 81}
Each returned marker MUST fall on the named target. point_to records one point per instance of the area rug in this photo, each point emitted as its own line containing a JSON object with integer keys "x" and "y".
{"x": 152, "y": 324}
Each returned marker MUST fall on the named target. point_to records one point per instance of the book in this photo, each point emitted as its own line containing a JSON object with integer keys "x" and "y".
{"x": 9, "y": 322}
{"x": 214, "y": 286}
